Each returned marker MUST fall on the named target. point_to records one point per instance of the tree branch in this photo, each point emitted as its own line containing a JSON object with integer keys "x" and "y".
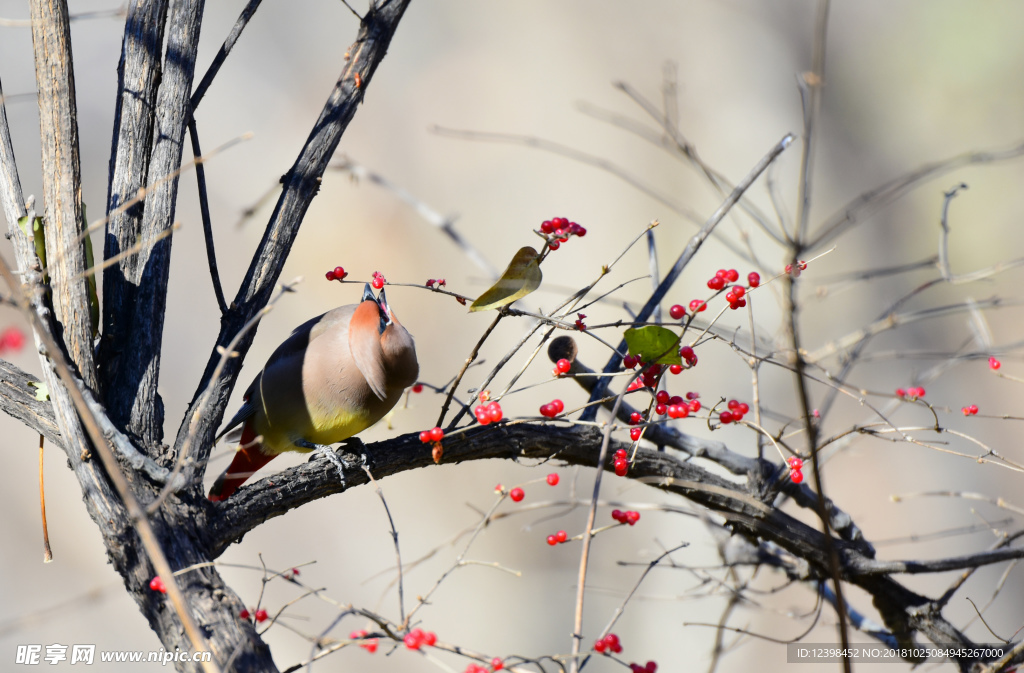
{"x": 62, "y": 183}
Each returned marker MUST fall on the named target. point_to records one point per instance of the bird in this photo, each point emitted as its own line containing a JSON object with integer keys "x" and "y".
{"x": 336, "y": 375}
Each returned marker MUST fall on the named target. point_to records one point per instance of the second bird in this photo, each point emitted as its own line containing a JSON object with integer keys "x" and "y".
{"x": 335, "y": 376}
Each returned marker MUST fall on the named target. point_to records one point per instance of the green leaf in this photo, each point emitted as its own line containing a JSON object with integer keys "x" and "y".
{"x": 520, "y": 279}
{"x": 42, "y": 392}
{"x": 654, "y": 343}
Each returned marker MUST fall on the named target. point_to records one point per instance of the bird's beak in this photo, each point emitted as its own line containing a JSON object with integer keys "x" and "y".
{"x": 367, "y": 294}
{"x": 385, "y": 310}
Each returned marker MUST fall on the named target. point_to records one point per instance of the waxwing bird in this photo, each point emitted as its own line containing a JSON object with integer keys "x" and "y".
{"x": 335, "y": 376}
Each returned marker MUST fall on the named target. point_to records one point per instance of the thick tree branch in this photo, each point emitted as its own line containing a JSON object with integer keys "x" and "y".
{"x": 133, "y": 398}
{"x": 903, "y": 610}
{"x": 18, "y": 399}
{"x": 301, "y": 184}
{"x": 138, "y": 75}
{"x": 62, "y": 184}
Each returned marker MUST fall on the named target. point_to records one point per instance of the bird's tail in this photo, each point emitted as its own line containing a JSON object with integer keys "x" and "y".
{"x": 248, "y": 459}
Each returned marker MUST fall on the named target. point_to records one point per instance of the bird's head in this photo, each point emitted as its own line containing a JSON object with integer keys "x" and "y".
{"x": 382, "y": 348}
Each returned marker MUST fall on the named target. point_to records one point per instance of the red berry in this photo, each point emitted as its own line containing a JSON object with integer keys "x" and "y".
{"x": 411, "y": 641}
{"x": 437, "y": 434}
{"x": 378, "y": 280}
{"x": 516, "y": 494}
{"x": 600, "y": 646}
{"x": 617, "y": 514}
{"x": 795, "y": 463}
{"x": 157, "y": 584}
{"x": 796, "y": 476}
{"x": 339, "y": 272}
{"x": 563, "y": 366}
{"x": 651, "y": 667}
{"x": 244, "y": 614}
{"x": 716, "y": 283}
{"x": 725, "y": 417}
{"x": 561, "y": 536}
{"x": 994, "y": 363}
{"x": 546, "y": 226}
{"x": 417, "y": 388}
{"x": 634, "y": 433}
{"x": 738, "y": 292}
{"x": 632, "y": 517}
{"x": 677, "y": 311}
{"x": 429, "y": 638}
{"x": 621, "y": 467}
{"x": 494, "y": 412}
{"x": 900, "y": 392}
{"x": 329, "y": 275}
{"x": 692, "y": 395}
{"x": 733, "y": 404}
{"x": 686, "y": 352}
{"x": 552, "y": 479}
{"x": 261, "y": 616}
{"x": 557, "y": 404}
{"x": 425, "y": 436}
{"x": 743, "y": 408}
{"x": 695, "y": 406}
{"x": 554, "y": 244}
{"x": 698, "y": 305}
{"x": 660, "y": 409}
{"x": 480, "y": 411}
{"x": 732, "y": 275}
{"x": 548, "y": 411}
{"x": 497, "y": 664}
{"x": 635, "y": 417}
{"x": 621, "y": 453}
{"x": 753, "y": 279}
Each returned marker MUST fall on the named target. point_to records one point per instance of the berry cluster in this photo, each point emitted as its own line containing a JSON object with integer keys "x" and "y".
{"x": 496, "y": 665}
{"x": 440, "y": 283}
{"x": 686, "y": 352}
{"x": 628, "y": 516}
{"x": 417, "y": 638}
{"x": 378, "y": 280}
{"x": 157, "y": 584}
{"x": 795, "y": 469}
{"x": 557, "y": 538}
{"x": 737, "y": 410}
{"x": 651, "y": 667}
{"x": 795, "y": 270}
{"x": 557, "y": 230}
{"x": 721, "y": 277}
{"x": 994, "y": 364}
{"x": 609, "y": 642}
{"x": 337, "y": 273}
{"x": 562, "y": 367}
{"x": 649, "y": 376}
{"x": 735, "y": 297}
{"x": 368, "y": 644}
{"x": 970, "y": 410}
{"x": 910, "y": 393}
{"x": 552, "y": 408}
{"x": 433, "y": 435}
{"x": 260, "y": 615}
{"x": 489, "y": 413}
{"x": 621, "y": 462}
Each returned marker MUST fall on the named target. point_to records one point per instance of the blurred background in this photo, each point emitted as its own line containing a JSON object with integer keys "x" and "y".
{"x": 906, "y": 83}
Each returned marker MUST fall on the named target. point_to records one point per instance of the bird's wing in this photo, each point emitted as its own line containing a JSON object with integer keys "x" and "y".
{"x": 243, "y": 414}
